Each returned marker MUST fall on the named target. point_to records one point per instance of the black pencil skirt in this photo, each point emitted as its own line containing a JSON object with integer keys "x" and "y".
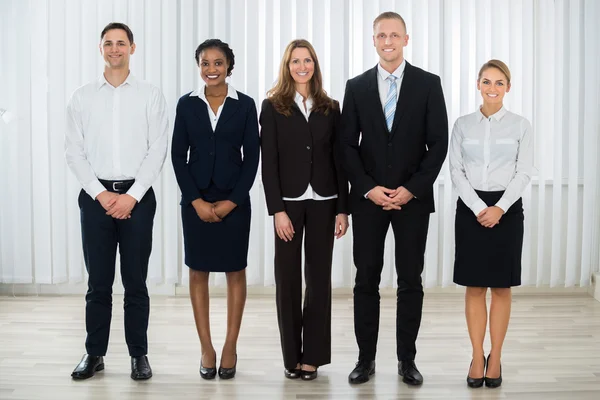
{"x": 488, "y": 257}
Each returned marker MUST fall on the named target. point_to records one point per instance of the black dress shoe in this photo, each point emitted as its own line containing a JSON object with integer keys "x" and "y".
{"x": 140, "y": 368}
{"x": 475, "y": 382}
{"x": 292, "y": 373}
{"x": 88, "y": 366}
{"x": 493, "y": 382}
{"x": 207, "y": 373}
{"x": 228, "y": 373}
{"x": 409, "y": 372}
{"x": 362, "y": 372}
{"x": 308, "y": 375}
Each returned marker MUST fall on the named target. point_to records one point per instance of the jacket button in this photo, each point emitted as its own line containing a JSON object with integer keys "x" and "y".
{"x": 389, "y": 144}
{"x": 307, "y": 147}
{"x": 389, "y": 165}
{"x": 211, "y": 153}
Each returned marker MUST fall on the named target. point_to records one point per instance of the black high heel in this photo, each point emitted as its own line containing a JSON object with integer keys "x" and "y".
{"x": 308, "y": 375}
{"x": 476, "y": 382}
{"x": 207, "y": 373}
{"x": 228, "y": 373}
{"x": 493, "y": 382}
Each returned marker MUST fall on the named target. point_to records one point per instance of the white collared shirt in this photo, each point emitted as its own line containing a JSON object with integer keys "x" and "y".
{"x": 310, "y": 193}
{"x": 214, "y": 118}
{"x": 384, "y": 86}
{"x": 117, "y": 133}
{"x": 491, "y": 154}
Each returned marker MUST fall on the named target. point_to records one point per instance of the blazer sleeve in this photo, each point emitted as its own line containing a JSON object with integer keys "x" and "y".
{"x": 436, "y": 138}
{"x": 350, "y": 135}
{"x": 270, "y": 159}
{"x": 251, "y": 146}
{"x": 179, "y": 151}
{"x": 342, "y": 179}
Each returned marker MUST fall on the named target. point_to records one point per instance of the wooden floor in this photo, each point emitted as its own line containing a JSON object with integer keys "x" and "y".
{"x": 552, "y": 351}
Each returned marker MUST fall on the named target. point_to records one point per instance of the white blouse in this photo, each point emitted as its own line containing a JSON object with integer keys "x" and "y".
{"x": 491, "y": 154}
{"x": 214, "y": 118}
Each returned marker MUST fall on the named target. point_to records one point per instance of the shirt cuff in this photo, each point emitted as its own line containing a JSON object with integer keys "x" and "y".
{"x": 137, "y": 191}
{"x": 367, "y": 194}
{"x": 503, "y": 204}
{"x": 94, "y": 189}
{"x": 478, "y": 207}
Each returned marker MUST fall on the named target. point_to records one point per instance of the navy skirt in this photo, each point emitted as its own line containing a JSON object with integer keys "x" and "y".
{"x": 488, "y": 257}
{"x": 219, "y": 246}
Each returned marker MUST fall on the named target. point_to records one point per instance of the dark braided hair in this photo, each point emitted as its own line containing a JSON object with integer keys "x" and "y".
{"x": 217, "y": 44}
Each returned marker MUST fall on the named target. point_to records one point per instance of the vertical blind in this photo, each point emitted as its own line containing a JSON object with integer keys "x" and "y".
{"x": 51, "y": 47}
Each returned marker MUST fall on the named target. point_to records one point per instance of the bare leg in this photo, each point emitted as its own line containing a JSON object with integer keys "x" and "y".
{"x": 476, "y": 313}
{"x": 499, "y": 317}
{"x": 236, "y": 299}
{"x": 200, "y": 305}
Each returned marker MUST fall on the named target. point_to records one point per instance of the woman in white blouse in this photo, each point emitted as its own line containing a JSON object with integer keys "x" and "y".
{"x": 490, "y": 162}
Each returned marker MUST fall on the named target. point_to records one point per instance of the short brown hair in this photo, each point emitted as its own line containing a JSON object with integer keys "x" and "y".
{"x": 118, "y": 25}
{"x": 389, "y": 15}
{"x": 499, "y": 65}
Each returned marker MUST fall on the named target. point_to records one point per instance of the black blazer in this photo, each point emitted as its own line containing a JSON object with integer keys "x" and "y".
{"x": 412, "y": 154}
{"x": 296, "y": 152}
{"x": 215, "y": 156}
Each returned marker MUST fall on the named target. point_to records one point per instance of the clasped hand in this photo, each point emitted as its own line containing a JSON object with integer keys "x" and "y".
{"x": 118, "y": 206}
{"x": 490, "y": 216}
{"x": 213, "y": 212}
{"x": 390, "y": 199}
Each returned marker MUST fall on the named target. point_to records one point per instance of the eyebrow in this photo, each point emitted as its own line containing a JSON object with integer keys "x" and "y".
{"x": 499, "y": 80}
{"x": 118, "y": 41}
{"x": 217, "y": 59}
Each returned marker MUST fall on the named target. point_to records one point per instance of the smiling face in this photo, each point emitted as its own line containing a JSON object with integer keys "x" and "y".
{"x": 116, "y": 49}
{"x": 213, "y": 66}
{"x": 389, "y": 39}
{"x": 302, "y": 65}
{"x": 493, "y": 85}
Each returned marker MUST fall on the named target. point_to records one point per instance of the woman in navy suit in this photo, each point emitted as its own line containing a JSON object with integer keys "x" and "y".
{"x": 214, "y": 123}
{"x": 306, "y": 190}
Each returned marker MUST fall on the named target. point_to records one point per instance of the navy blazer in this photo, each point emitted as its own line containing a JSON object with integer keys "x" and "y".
{"x": 215, "y": 156}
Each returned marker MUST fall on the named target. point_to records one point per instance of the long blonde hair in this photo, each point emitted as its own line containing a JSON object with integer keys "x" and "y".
{"x": 282, "y": 95}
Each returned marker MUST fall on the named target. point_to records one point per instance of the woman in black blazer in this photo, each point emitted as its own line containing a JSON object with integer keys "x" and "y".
{"x": 213, "y": 124}
{"x": 306, "y": 190}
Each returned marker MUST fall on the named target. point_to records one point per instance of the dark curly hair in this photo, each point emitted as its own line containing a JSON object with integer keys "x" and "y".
{"x": 217, "y": 44}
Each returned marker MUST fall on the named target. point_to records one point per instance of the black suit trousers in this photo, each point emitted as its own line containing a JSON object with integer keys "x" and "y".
{"x": 306, "y": 330}
{"x": 370, "y": 226}
{"x": 100, "y": 234}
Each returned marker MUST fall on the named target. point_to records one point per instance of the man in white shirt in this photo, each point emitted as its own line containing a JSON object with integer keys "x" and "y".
{"x": 115, "y": 144}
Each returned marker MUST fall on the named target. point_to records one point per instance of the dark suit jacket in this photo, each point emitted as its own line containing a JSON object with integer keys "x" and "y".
{"x": 296, "y": 152}
{"x": 215, "y": 156}
{"x": 412, "y": 154}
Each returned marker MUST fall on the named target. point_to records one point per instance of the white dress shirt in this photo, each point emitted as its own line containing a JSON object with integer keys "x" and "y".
{"x": 310, "y": 193}
{"x": 214, "y": 118}
{"x": 383, "y": 87}
{"x": 491, "y": 154}
{"x": 117, "y": 133}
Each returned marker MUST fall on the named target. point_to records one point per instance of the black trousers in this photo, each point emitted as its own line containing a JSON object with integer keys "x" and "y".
{"x": 306, "y": 330}
{"x": 101, "y": 234}
{"x": 370, "y": 226}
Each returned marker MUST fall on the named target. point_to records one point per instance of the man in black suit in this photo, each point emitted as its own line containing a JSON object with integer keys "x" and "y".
{"x": 395, "y": 139}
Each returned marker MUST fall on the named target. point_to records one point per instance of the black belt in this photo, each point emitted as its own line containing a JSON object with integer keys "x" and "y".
{"x": 117, "y": 186}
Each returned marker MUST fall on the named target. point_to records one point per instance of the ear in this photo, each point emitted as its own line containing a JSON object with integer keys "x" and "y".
{"x": 406, "y": 40}
{"x": 508, "y": 87}
{"x": 132, "y": 49}
{"x": 100, "y": 47}
{"x": 478, "y": 85}
{"x": 374, "y": 41}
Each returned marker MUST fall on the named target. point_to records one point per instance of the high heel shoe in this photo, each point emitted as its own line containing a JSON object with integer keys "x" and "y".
{"x": 493, "y": 382}
{"x": 476, "y": 382}
{"x": 308, "y": 375}
{"x": 228, "y": 373}
{"x": 293, "y": 373}
{"x": 207, "y": 373}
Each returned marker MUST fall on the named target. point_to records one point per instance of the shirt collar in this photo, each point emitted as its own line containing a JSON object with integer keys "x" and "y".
{"x": 130, "y": 80}
{"x": 299, "y": 99}
{"x": 231, "y": 92}
{"x": 397, "y": 73}
{"x": 498, "y": 115}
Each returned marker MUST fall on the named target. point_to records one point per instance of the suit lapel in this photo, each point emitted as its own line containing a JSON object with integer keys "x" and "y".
{"x": 405, "y": 96}
{"x": 201, "y": 111}
{"x": 373, "y": 99}
{"x": 229, "y": 109}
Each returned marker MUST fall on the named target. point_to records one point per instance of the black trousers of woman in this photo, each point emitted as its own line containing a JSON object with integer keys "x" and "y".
{"x": 306, "y": 329}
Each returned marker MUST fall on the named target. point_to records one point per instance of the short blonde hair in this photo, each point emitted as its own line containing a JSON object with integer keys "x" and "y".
{"x": 499, "y": 65}
{"x": 389, "y": 15}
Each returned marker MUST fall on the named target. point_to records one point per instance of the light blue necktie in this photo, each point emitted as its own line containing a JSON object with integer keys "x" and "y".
{"x": 390, "y": 103}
